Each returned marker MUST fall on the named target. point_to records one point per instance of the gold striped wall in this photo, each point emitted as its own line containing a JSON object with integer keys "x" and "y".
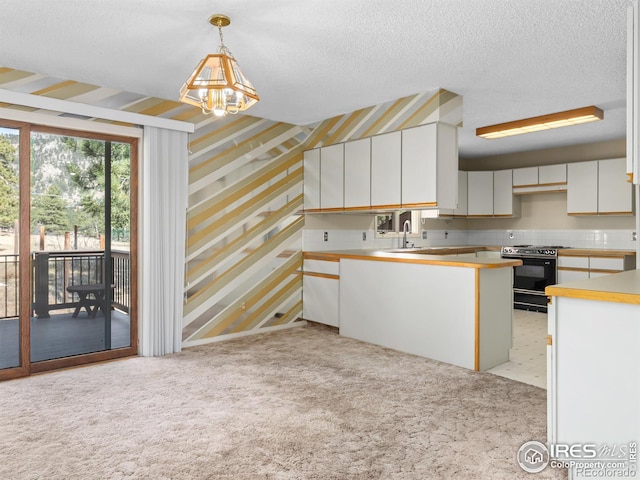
{"x": 244, "y": 232}
{"x": 244, "y": 236}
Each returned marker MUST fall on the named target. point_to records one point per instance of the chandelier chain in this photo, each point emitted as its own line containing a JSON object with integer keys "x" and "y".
{"x": 220, "y": 32}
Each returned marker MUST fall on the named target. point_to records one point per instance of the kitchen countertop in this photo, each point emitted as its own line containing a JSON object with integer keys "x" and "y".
{"x": 621, "y": 287}
{"x": 419, "y": 258}
{"x": 601, "y": 252}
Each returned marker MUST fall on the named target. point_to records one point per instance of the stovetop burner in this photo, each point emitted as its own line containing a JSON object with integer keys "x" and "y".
{"x": 540, "y": 251}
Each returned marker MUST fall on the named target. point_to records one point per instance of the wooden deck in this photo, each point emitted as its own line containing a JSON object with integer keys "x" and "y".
{"x": 61, "y": 335}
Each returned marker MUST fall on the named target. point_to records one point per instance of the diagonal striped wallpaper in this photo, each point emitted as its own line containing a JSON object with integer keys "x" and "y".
{"x": 244, "y": 244}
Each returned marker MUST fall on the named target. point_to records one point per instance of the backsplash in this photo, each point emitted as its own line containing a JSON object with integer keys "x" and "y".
{"x": 313, "y": 240}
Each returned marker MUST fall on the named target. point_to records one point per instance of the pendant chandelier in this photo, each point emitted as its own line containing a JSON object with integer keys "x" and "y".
{"x": 217, "y": 85}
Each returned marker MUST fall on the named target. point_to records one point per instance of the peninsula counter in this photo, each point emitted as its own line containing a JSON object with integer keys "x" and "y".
{"x": 453, "y": 309}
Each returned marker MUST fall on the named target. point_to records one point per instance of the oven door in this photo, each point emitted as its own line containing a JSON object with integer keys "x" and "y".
{"x": 534, "y": 274}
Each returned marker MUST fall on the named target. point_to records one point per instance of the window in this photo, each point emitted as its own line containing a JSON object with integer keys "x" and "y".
{"x": 391, "y": 224}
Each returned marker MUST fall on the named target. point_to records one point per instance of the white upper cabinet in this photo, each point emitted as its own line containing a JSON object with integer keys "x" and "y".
{"x": 430, "y": 166}
{"x": 415, "y": 168}
{"x": 552, "y": 174}
{"x": 582, "y": 188}
{"x": 357, "y": 174}
{"x": 312, "y": 179}
{"x": 503, "y": 193}
{"x": 525, "y": 177}
{"x": 615, "y": 194}
{"x": 599, "y": 187}
{"x": 332, "y": 177}
{"x": 386, "y": 165}
{"x": 546, "y": 178}
{"x": 461, "y": 209}
{"x": 480, "y": 194}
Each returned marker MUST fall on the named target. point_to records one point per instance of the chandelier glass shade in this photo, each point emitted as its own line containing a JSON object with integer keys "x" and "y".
{"x": 217, "y": 85}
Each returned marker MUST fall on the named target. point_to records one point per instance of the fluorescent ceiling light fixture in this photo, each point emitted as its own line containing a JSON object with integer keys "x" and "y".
{"x": 543, "y": 122}
{"x": 217, "y": 85}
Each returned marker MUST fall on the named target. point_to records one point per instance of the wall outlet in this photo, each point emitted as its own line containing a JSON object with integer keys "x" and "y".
{"x": 634, "y": 236}
{"x": 326, "y": 236}
{"x": 446, "y": 235}
{"x": 424, "y": 234}
{"x": 511, "y": 235}
{"x": 364, "y": 236}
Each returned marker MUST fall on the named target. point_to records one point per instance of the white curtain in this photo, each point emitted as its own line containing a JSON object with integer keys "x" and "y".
{"x": 163, "y": 222}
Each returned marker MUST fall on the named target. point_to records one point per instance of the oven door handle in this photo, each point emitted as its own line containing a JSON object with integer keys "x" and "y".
{"x": 530, "y": 292}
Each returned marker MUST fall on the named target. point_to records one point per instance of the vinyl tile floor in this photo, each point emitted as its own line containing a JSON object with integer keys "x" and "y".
{"x": 528, "y": 355}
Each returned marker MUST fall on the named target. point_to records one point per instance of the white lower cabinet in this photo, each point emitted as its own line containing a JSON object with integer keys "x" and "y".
{"x": 565, "y": 276}
{"x": 488, "y": 254}
{"x": 321, "y": 292}
{"x": 573, "y": 267}
{"x": 593, "y": 372}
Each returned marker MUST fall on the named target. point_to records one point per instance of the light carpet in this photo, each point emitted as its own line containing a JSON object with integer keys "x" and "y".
{"x": 302, "y": 403}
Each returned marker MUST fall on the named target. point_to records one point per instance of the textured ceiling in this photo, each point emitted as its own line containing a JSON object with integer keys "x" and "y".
{"x": 314, "y": 59}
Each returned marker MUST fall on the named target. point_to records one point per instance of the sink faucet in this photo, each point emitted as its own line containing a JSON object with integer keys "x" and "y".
{"x": 405, "y": 229}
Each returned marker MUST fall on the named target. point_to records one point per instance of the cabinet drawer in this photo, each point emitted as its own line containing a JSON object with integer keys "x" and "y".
{"x": 607, "y": 263}
{"x": 322, "y": 266}
{"x": 565, "y": 276}
{"x": 573, "y": 262}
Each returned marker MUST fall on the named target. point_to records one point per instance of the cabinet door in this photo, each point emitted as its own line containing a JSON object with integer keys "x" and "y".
{"x": 311, "y": 181}
{"x": 480, "y": 193}
{"x": 552, "y": 174}
{"x": 525, "y": 176}
{"x": 320, "y": 301}
{"x": 332, "y": 177}
{"x": 419, "y": 165}
{"x": 607, "y": 263}
{"x": 582, "y": 188}
{"x": 461, "y": 209}
{"x": 357, "y": 173}
{"x": 503, "y": 192}
{"x": 565, "y": 276}
{"x": 614, "y": 193}
{"x": 385, "y": 170}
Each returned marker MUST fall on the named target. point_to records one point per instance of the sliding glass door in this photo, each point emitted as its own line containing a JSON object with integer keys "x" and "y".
{"x": 11, "y": 334}
{"x": 77, "y": 257}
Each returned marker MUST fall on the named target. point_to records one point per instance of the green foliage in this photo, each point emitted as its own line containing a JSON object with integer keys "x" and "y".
{"x": 8, "y": 183}
{"x": 67, "y": 183}
{"x": 91, "y": 179}
{"x": 50, "y": 210}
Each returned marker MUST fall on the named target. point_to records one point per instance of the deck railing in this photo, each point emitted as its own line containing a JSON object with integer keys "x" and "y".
{"x": 53, "y": 272}
{"x": 9, "y": 278}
